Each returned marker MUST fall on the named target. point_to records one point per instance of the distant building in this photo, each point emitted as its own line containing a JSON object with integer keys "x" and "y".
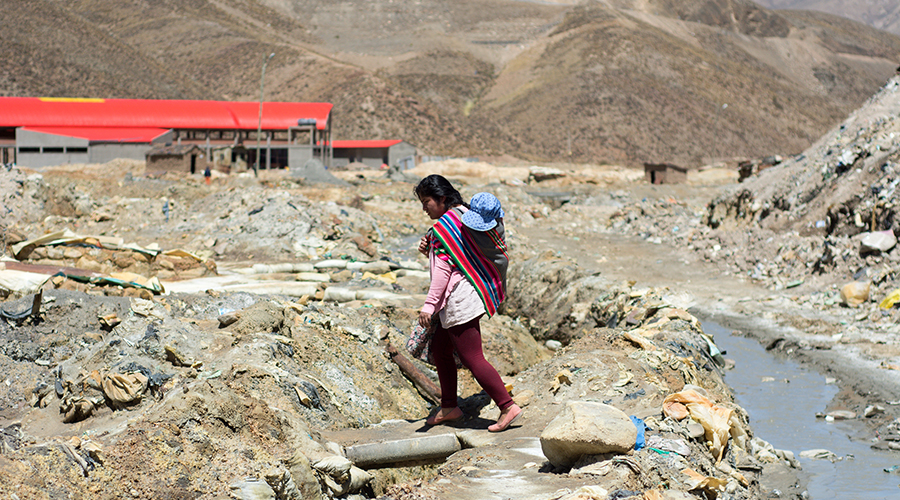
{"x": 37, "y": 146}
{"x": 664, "y": 173}
{"x": 175, "y": 158}
{"x": 38, "y": 132}
{"x": 375, "y": 153}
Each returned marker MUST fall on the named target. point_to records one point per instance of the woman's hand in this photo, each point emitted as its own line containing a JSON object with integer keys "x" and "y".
{"x": 423, "y": 246}
{"x": 424, "y": 319}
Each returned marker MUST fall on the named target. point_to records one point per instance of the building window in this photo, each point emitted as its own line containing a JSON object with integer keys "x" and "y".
{"x": 54, "y": 150}
{"x": 29, "y": 150}
{"x": 76, "y": 150}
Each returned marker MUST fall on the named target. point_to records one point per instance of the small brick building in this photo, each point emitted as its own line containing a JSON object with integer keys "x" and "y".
{"x": 664, "y": 173}
{"x": 188, "y": 158}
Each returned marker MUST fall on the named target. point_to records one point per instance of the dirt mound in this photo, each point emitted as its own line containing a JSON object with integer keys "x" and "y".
{"x": 842, "y": 186}
{"x": 217, "y": 404}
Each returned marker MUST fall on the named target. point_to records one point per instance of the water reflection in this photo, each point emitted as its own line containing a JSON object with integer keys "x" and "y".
{"x": 782, "y": 411}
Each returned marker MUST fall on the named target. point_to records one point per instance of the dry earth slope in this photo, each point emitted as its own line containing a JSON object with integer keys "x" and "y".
{"x": 622, "y": 82}
{"x": 882, "y": 14}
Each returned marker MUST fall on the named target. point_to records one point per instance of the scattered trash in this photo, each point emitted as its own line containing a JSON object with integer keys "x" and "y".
{"x": 124, "y": 389}
{"x": 669, "y": 445}
{"x": 716, "y": 420}
{"x": 707, "y": 484}
{"x": 641, "y": 428}
{"x": 818, "y": 454}
{"x": 841, "y": 415}
{"x": 890, "y": 299}
{"x": 562, "y": 377}
{"x": 880, "y": 241}
{"x": 873, "y": 410}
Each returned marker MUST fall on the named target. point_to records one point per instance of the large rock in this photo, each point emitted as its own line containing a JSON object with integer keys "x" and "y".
{"x": 585, "y": 428}
{"x": 880, "y": 241}
{"x": 855, "y": 293}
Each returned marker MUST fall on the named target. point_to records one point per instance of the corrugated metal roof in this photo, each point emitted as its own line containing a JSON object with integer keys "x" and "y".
{"x": 104, "y": 134}
{"x": 147, "y": 113}
{"x": 364, "y": 144}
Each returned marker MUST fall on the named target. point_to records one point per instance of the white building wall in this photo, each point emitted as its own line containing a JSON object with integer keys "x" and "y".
{"x": 104, "y": 152}
{"x": 402, "y": 151}
{"x": 38, "y": 150}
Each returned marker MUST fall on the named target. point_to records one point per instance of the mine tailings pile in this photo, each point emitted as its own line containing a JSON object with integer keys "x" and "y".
{"x": 203, "y": 395}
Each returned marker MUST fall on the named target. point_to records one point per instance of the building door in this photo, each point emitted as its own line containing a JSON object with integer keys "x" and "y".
{"x": 193, "y": 164}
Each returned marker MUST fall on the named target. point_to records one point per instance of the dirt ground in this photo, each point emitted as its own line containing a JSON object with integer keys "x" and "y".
{"x": 297, "y": 379}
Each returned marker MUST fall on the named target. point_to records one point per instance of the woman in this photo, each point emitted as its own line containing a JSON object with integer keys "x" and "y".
{"x": 468, "y": 272}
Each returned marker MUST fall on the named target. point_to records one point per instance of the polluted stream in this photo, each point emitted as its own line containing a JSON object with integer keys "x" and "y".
{"x": 783, "y": 412}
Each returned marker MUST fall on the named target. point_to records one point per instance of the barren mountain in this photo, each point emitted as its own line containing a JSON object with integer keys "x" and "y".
{"x": 619, "y": 81}
{"x": 882, "y": 14}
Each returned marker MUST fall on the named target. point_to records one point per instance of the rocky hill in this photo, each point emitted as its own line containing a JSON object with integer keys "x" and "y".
{"x": 882, "y": 14}
{"x": 619, "y": 81}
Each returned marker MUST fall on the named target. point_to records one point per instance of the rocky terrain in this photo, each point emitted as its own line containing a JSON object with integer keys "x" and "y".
{"x": 161, "y": 338}
{"x": 261, "y": 392}
{"x": 620, "y": 82}
{"x": 271, "y": 354}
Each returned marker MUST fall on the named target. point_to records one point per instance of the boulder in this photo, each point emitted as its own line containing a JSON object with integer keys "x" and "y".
{"x": 880, "y": 241}
{"x": 855, "y": 293}
{"x": 587, "y": 428}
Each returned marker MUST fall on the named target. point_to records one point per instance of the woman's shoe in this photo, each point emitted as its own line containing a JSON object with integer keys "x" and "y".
{"x": 506, "y": 418}
{"x": 452, "y": 416}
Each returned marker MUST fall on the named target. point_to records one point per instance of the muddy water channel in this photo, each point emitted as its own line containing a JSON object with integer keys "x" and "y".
{"x": 783, "y": 412}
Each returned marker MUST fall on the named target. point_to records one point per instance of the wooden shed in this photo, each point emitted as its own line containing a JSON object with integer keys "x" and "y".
{"x": 664, "y": 173}
{"x": 187, "y": 158}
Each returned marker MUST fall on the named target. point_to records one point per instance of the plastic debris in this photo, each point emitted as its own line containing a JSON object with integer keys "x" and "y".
{"x": 890, "y": 299}
{"x": 714, "y": 419}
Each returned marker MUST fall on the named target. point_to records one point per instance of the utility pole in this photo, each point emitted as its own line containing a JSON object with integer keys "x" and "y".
{"x": 259, "y": 124}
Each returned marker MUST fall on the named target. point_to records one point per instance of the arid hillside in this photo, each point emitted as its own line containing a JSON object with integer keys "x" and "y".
{"x": 882, "y": 14}
{"x": 618, "y": 82}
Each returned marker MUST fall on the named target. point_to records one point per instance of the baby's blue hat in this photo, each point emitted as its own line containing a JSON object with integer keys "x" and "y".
{"x": 483, "y": 213}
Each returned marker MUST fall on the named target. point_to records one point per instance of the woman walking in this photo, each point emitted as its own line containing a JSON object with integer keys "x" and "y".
{"x": 467, "y": 259}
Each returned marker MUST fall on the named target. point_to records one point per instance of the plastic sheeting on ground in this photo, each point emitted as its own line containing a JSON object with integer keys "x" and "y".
{"x": 67, "y": 237}
{"x": 716, "y": 420}
{"x": 21, "y": 282}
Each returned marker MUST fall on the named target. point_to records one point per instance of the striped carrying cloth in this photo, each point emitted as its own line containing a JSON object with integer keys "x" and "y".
{"x": 481, "y": 256}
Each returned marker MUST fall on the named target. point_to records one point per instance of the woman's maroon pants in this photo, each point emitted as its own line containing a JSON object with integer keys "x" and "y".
{"x": 466, "y": 340}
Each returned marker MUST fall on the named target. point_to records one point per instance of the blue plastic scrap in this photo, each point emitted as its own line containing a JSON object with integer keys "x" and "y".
{"x": 641, "y": 427}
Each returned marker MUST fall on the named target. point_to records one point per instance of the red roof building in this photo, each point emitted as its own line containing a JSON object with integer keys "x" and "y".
{"x": 168, "y": 114}
{"x": 40, "y": 131}
{"x": 44, "y": 131}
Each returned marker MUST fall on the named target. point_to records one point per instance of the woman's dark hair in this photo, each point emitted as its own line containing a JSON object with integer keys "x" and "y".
{"x": 437, "y": 187}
